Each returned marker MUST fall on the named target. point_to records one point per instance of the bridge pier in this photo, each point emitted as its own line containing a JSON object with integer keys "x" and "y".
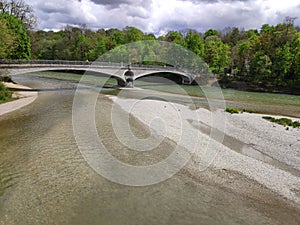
{"x": 121, "y": 83}
{"x": 186, "y": 80}
{"x": 129, "y": 78}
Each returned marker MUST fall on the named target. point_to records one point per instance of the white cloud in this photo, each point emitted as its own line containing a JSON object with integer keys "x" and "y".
{"x": 162, "y": 15}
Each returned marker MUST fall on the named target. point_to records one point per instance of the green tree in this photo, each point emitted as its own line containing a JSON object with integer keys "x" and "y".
{"x": 21, "y": 10}
{"x": 175, "y": 37}
{"x": 233, "y": 36}
{"x": 266, "y": 29}
{"x": 251, "y": 33}
{"x": 282, "y": 64}
{"x": 6, "y": 39}
{"x": 83, "y": 46}
{"x": 194, "y": 42}
{"x": 261, "y": 68}
{"x": 98, "y": 49}
{"x": 294, "y": 77}
{"x": 210, "y": 32}
{"x": 149, "y": 37}
{"x": 47, "y": 49}
{"x": 133, "y": 34}
{"x": 22, "y": 46}
{"x": 216, "y": 54}
{"x": 241, "y": 64}
{"x": 117, "y": 36}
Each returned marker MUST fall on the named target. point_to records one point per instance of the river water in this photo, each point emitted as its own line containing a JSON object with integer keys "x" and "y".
{"x": 45, "y": 180}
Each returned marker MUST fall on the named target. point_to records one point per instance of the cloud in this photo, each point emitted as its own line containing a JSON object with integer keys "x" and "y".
{"x": 159, "y": 16}
{"x": 119, "y": 3}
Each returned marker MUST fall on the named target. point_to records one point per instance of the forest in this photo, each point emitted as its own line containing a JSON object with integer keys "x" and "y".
{"x": 269, "y": 56}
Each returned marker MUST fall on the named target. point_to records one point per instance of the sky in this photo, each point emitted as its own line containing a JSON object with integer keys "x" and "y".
{"x": 161, "y": 16}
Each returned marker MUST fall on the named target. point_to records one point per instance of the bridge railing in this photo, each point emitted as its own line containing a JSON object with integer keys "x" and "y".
{"x": 7, "y": 62}
{"x": 44, "y": 62}
{"x": 53, "y": 63}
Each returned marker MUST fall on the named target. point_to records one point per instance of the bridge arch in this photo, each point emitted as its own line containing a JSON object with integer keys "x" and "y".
{"x": 88, "y": 71}
{"x": 185, "y": 78}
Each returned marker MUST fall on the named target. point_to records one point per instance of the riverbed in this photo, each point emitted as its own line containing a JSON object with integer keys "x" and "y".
{"x": 44, "y": 178}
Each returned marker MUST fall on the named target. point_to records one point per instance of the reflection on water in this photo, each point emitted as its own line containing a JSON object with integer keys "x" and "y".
{"x": 45, "y": 180}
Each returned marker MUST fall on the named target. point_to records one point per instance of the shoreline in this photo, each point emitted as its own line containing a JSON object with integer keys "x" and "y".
{"x": 20, "y": 98}
{"x": 259, "y": 88}
{"x": 257, "y": 149}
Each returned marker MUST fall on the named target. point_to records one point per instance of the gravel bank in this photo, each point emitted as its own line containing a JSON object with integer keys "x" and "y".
{"x": 245, "y": 143}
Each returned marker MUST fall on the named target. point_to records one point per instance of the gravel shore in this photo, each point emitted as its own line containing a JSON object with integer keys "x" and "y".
{"x": 262, "y": 151}
{"x": 23, "y": 98}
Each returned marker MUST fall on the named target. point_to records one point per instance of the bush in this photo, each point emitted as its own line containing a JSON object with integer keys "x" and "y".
{"x": 232, "y": 110}
{"x": 296, "y": 124}
{"x": 5, "y": 94}
{"x": 248, "y": 111}
{"x": 283, "y": 121}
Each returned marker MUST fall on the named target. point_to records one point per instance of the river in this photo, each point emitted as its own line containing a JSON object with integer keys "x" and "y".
{"x": 45, "y": 180}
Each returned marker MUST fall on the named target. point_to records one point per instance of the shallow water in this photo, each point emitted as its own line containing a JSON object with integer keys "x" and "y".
{"x": 45, "y": 180}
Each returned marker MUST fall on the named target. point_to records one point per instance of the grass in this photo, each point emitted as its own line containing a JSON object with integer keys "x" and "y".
{"x": 283, "y": 121}
{"x": 5, "y": 94}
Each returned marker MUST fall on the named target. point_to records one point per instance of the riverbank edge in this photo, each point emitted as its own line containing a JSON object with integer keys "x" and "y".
{"x": 20, "y": 98}
{"x": 259, "y": 88}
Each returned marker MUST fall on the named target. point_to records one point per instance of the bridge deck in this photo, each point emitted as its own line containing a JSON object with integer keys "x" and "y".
{"x": 14, "y": 67}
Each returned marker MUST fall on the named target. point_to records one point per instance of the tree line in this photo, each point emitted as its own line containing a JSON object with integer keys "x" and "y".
{"x": 270, "y": 55}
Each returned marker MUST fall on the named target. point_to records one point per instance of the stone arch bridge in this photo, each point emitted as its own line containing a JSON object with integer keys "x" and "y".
{"x": 116, "y": 70}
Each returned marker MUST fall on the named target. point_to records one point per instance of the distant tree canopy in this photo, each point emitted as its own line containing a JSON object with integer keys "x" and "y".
{"x": 270, "y": 56}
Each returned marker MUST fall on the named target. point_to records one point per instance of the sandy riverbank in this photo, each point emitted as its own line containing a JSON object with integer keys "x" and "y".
{"x": 23, "y": 98}
{"x": 245, "y": 143}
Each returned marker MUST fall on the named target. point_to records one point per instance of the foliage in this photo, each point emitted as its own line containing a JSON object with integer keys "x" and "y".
{"x": 269, "y": 57}
{"x": 194, "y": 42}
{"x": 231, "y": 110}
{"x": 5, "y": 94}
{"x": 210, "y": 32}
{"x": 174, "y": 36}
{"x": 6, "y": 39}
{"x": 21, "y": 10}
{"x": 216, "y": 54}
{"x": 283, "y": 121}
{"x": 133, "y": 34}
{"x": 21, "y": 47}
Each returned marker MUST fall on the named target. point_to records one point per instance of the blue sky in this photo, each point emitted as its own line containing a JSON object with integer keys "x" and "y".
{"x": 160, "y": 16}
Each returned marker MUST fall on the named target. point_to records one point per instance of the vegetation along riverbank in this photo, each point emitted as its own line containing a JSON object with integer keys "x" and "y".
{"x": 5, "y": 94}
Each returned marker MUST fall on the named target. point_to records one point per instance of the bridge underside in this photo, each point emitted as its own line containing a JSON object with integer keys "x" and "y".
{"x": 165, "y": 77}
